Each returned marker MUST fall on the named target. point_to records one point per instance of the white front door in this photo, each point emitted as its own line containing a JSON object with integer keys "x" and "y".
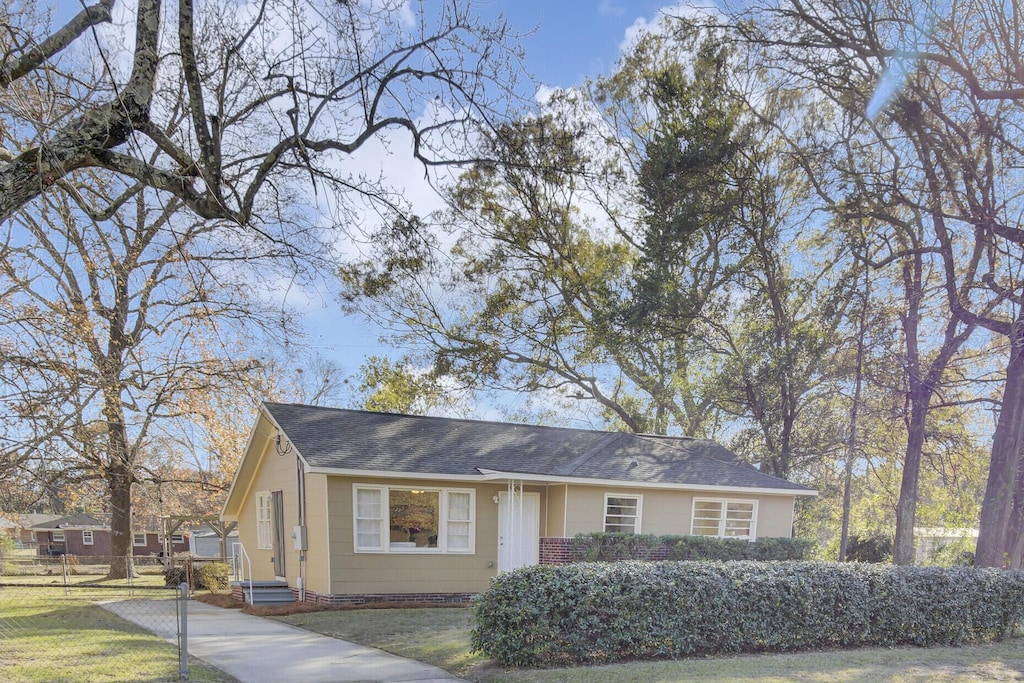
{"x": 518, "y": 530}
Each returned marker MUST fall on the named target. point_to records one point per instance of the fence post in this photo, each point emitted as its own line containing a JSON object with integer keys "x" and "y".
{"x": 183, "y": 632}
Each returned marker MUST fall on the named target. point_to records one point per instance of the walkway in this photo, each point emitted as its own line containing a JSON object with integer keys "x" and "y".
{"x": 258, "y": 650}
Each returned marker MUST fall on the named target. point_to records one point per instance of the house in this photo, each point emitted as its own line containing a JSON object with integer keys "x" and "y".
{"x": 88, "y": 535}
{"x": 19, "y": 527}
{"x": 351, "y": 506}
{"x": 930, "y": 540}
{"x": 206, "y": 542}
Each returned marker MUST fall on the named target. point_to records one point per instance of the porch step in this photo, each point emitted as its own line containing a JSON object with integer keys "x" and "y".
{"x": 266, "y": 592}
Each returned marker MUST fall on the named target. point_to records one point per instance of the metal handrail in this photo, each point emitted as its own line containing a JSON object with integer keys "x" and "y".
{"x": 239, "y": 566}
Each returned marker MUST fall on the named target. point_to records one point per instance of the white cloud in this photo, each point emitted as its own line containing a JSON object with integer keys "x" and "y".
{"x": 610, "y": 8}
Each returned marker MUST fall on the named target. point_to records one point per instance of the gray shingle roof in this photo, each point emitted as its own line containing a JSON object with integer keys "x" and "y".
{"x": 82, "y": 519}
{"x": 383, "y": 442}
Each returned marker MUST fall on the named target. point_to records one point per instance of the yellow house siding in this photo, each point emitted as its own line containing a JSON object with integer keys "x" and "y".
{"x": 317, "y": 571}
{"x": 370, "y": 573}
{"x": 668, "y": 512}
{"x": 274, "y": 473}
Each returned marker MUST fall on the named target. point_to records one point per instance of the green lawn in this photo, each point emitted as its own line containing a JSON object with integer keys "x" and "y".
{"x": 47, "y": 636}
{"x": 441, "y": 637}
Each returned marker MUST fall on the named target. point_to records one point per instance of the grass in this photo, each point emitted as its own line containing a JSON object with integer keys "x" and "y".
{"x": 441, "y": 637}
{"x": 47, "y": 636}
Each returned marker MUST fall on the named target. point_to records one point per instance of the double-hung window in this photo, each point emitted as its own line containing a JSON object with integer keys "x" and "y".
{"x": 724, "y": 518}
{"x": 58, "y": 536}
{"x": 264, "y": 520}
{"x": 139, "y": 538}
{"x": 405, "y": 519}
{"x": 87, "y": 538}
{"x": 622, "y": 513}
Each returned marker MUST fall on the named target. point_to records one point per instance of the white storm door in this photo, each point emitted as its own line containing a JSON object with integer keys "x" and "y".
{"x": 518, "y": 530}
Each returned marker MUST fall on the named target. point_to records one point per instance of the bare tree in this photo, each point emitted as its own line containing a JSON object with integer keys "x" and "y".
{"x": 270, "y": 91}
{"x": 109, "y": 325}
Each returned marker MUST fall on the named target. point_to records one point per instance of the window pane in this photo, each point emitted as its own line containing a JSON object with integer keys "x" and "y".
{"x": 705, "y": 530}
{"x": 414, "y": 518}
{"x": 458, "y": 507}
{"x": 368, "y": 503}
{"x": 458, "y": 535}
{"x": 621, "y": 514}
{"x": 707, "y": 508}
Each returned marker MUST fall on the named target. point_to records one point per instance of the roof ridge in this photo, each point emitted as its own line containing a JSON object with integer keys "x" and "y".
{"x": 468, "y": 420}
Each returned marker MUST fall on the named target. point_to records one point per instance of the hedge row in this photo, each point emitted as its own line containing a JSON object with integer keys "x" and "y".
{"x": 552, "y": 615}
{"x": 608, "y": 547}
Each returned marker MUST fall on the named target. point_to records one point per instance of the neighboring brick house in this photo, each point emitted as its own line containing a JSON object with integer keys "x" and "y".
{"x": 88, "y": 535}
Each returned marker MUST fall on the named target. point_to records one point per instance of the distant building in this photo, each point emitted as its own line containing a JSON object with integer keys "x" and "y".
{"x": 929, "y": 540}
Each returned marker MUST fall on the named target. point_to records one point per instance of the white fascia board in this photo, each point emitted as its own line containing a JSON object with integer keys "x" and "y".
{"x": 261, "y": 413}
{"x": 496, "y": 475}
{"x": 391, "y": 474}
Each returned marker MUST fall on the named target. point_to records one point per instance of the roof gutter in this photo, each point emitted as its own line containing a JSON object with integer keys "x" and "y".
{"x": 488, "y": 475}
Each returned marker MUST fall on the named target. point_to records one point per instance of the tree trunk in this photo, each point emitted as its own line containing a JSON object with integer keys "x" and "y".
{"x": 906, "y": 507}
{"x": 998, "y": 503}
{"x": 1015, "y": 528}
{"x": 119, "y": 483}
{"x": 119, "y": 487}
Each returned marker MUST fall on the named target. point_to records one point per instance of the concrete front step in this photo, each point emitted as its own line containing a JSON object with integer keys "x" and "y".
{"x": 266, "y": 592}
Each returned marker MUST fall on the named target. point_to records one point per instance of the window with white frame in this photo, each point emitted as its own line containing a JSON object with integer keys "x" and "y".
{"x": 87, "y": 537}
{"x": 177, "y": 538}
{"x": 58, "y": 536}
{"x": 409, "y": 519}
{"x": 264, "y": 520}
{"x": 139, "y": 538}
{"x": 622, "y": 513}
{"x": 724, "y": 518}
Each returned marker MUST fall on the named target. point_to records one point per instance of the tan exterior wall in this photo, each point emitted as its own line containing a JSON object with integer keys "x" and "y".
{"x": 556, "y": 510}
{"x": 369, "y": 573}
{"x": 318, "y": 574}
{"x": 666, "y": 512}
{"x": 274, "y": 473}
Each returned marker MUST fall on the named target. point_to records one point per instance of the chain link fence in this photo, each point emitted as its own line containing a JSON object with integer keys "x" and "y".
{"x": 62, "y": 620}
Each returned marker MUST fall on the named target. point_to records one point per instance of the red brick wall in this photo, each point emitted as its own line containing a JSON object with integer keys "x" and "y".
{"x": 555, "y": 550}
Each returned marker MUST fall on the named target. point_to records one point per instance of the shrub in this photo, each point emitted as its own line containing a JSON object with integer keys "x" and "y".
{"x": 176, "y": 575}
{"x": 551, "y": 615}
{"x": 608, "y": 547}
{"x": 869, "y": 549}
{"x": 213, "y": 576}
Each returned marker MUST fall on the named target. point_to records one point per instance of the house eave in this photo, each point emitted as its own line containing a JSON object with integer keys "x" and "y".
{"x": 488, "y": 475}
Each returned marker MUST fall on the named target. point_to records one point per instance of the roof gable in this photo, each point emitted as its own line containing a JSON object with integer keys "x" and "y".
{"x": 331, "y": 438}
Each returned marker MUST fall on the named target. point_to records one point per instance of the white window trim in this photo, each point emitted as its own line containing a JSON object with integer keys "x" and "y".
{"x": 58, "y": 537}
{"x": 442, "y": 531}
{"x": 177, "y": 538}
{"x": 87, "y": 537}
{"x": 724, "y": 502}
{"x": 264, "y": 520}
{"x": 639, "y": 509}
{"x": 135, "y": 539}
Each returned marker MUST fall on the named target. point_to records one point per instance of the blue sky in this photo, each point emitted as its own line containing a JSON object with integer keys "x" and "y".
{"x": 574, "y": 39}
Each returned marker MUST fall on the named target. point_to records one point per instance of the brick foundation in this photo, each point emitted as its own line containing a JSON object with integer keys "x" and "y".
{"x": 366, "y": 599}
{"x": 560, "y": 551}
{"x": 315, "y": 598}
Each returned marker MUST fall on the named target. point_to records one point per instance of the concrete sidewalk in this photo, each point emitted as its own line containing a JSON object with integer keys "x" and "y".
{"x": 258, "y": 650}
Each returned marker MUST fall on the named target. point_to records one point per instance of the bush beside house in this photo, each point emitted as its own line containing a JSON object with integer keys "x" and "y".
{"x": 603, "y": 612}
{"x": 610, "y": 547}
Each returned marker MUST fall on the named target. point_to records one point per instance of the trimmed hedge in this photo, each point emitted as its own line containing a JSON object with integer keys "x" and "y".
{"x": 555, "y": 615}
{"x": 612, "y": 547}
